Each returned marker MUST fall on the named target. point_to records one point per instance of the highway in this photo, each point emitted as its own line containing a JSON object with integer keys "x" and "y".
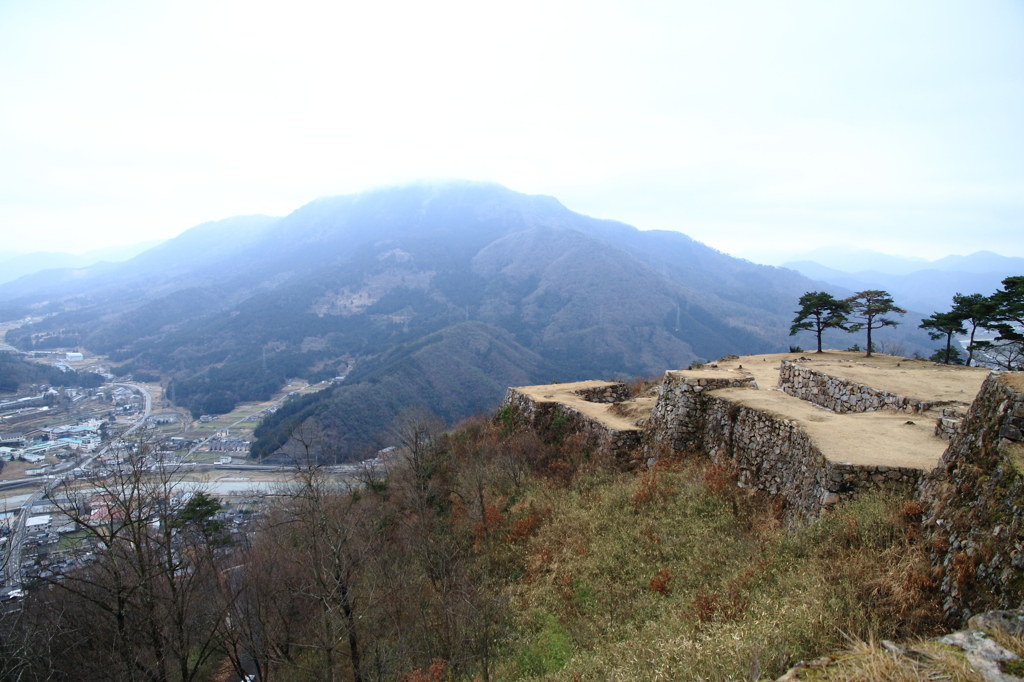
{"x": 12, "y": 560}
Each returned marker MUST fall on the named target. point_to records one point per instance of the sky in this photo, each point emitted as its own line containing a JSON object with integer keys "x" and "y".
{"x": 760, "y": 128}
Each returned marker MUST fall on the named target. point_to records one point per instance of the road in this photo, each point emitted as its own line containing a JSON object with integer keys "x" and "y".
{"x": 13, "y": 558}
{"x": 17, "y": 537}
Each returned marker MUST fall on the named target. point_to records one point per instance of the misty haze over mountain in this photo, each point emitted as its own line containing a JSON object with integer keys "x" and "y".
{"x": 15, "y": 265}
{"x": 430, "y": 294}
{"x": 917, "y": 283}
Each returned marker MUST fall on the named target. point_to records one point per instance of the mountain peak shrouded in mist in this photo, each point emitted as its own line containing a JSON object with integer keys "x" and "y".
{"x": 437, "y": 292}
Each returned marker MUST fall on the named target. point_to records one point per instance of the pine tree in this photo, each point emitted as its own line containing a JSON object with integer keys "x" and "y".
{"x": 818, "y": 312}
{"x": 871, "y": 306}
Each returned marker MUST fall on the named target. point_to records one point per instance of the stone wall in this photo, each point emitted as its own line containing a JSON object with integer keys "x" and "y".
{"x": 767, "y": 452}
{"x": 775, "y": 455}
{"x": 949, "y": 422}
{"x": 611, "y": 393}
{"x": 842, "y": 395}
{"x": 624, "y": 444}
{"x": 676, "y": 420}
{"x": 974, "y": 504}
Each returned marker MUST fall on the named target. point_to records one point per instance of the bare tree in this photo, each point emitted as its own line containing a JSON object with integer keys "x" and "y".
{"x": 298, "y": 591}
{"x": 150, "y": 593}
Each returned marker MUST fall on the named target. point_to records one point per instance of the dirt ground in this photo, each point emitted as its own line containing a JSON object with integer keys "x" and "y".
{"x": 867, "y": 438}
{"x": 871, "y": 438}
{"x": 912, "y": 378}
{"x": 1014, "y": 380}
{"x": 562, "y": 393}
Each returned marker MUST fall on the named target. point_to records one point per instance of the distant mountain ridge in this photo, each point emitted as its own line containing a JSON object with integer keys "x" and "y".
{"x": 930, "y": 286}
{"x": 391, "y": 284}
{"x": 20, "y": 265}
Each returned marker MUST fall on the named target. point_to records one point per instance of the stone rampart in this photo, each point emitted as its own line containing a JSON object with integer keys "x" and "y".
{"x": 842, "y": 395}
{"x": 676, "y": 420}
{"x": 949, "y": 422}
{"x": 542, "y": 415}
{"x": 974, "y": 504}
{"x": 768, "y": 452}
{"x": 611, "y": 393}
{"x": 775, "y": 455}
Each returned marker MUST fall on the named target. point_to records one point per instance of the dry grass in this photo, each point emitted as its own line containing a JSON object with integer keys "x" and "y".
{"x": 922, "y": 661}
{"x": 677, "y": 574}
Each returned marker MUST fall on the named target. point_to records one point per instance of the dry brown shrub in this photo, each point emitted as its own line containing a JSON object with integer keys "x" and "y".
{"x": 524, "y": 527}
{"x": 659, "y": 582}
{"x": 492, "y": 519}
{"x": 963, "y": 569}
{"x": 719, "y": 478}
{"x": 435, "y": 673}
{"x": 939, "y": 542}
{"x": 648, "y": 490}
{"x": 641, "y": 385}
{"x": 705, "y": 606}
{"x": 912, "y": 511}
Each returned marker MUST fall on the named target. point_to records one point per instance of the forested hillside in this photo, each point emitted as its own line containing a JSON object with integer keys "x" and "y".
{"x": 16, "y": 374}
{"x": 229, "y": 310}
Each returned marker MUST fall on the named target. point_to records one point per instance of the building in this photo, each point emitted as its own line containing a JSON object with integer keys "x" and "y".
{"x": 12, "y": 440}
{"x": 230, "y": 444}
{"x": 73, "y": 357}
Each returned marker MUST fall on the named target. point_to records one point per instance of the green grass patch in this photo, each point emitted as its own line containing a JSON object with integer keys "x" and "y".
{"x": 71, "y": 540}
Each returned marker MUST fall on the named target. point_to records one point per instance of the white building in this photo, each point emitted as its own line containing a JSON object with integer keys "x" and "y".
{"x": 73, "y": 357}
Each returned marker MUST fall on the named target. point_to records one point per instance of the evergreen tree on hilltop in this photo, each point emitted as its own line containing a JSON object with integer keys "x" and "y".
{"x": 941, "y": 325}
{"x": 1009, "y": 310}
{"x": 870, "y": 307}
{"x": 976, "y": 311}
{"x": 819, "y": 311}
{"x": 1007, "y": 318}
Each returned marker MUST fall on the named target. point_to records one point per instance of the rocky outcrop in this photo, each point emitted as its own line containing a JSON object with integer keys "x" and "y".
{"x": 974, "y": 504}
{"x": 842, "y": 395}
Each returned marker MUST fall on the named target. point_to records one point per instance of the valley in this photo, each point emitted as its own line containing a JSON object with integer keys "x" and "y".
{"x": 440, "y": 295}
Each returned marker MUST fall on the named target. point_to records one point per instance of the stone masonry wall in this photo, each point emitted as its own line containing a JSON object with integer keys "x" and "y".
{"x": 611, "y": 393}
{"x": 676, "y": 420}
{"x": 842, "y": 395}
{"x": 974, "y": 505}
{"x": 949, "y": 421}
{"x": 769, "y": 453}
{"x": 775, "y": 455}
{"x": 623, "y": 444}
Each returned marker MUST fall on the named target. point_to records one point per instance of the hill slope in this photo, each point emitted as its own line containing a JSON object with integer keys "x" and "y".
{"x": 350, "y": 281}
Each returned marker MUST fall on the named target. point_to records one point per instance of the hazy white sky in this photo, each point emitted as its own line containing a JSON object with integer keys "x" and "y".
{"x": 748, "y": 125}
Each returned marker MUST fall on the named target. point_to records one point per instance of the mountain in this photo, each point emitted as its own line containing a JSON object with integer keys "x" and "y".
{"x": 20, "y": 265}
{"x": 395, "y": 288}
{"x": 456, "y": 372}
{"x": 929, "y": 288}
{"x": 979, "y": 262}
{"x": 854, "y": 259}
